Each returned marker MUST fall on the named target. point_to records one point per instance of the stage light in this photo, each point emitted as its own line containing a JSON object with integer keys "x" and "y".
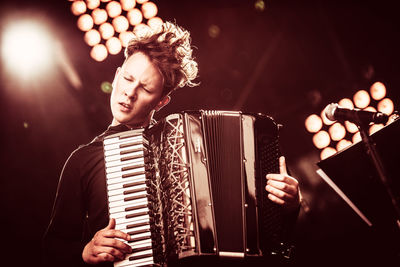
{"x": 321, "y": 139}
{"x": 92, "y": 37}
{"x": 370, "y": 108}
{"x": 141, "y": 1}
{"x": 259, "y": 5}
{"x": 135, "y": 17}
{"x": 386, "y": 106}
{"x": 99, "y": 52}
{"x": 141, "y": 29}
{"x": 27, "y": 49}
{"x": 128, "y": 4}
{"x": 346, "y": 103}
{"x": 113, "y": 45}
{"x": 113, "y": 9}
{"x": 214, "y": 31}
{"x": 106, "y": 30}
{"x": 85, "y": 22}
{"x": 149, "y": 10}
{"x": 155, "y": 22}
{"x": 92, "y": 4}
{"x": 375, "y": 127}
{"x": 378, "y": 91}
{"x": 99, "y": 16}
{"x": 350, "y": 127}
{"x": 124, "y": 37}
{"x": 337, "y": 131}
{"x": 313, "y": 123}
{"x": 78, "y": 8}
{"x": 342, "y": 144}
{"x": 120, "y": 24}
{"x": 356, "y": 137}
{"x": 327, "y": 152}
{"x": 106, "y": 87}
{"x": 361, "y": 99}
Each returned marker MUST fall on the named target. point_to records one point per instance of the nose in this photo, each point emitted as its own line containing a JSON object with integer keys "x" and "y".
{"x": 130, "y": 90}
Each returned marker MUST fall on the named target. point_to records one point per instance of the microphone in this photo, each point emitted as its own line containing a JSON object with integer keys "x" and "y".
{"x": 336, "y": 113}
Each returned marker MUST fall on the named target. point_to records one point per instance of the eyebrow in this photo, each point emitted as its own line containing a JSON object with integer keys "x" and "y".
{"x": 125, "y": 73}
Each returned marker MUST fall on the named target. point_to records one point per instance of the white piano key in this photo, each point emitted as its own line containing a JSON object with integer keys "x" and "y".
{"x": 115, "y": 163}
{"x": 120, "y": 191}
{"x": 113, "y": 140}
{"x": 132, "y": 220}
{"x": 126, "y": 213}
{"x": 120, "y": 157}
{"x": 131, "y": 204}
{"x": 131, "y": 166}
{"x": 145, "y": 221}
{"x": 134, "y": 172}
{"x": 122, "y": 196}
{"x": 117, "y": 145}
{"x": 139, "y": 228}
{"x": 147, "y": 234}
{"x": 122, "y": 202}
{"x": 124, "y": 150}
{"x": 127, "y": 180}
{"x": 136, "y": 263}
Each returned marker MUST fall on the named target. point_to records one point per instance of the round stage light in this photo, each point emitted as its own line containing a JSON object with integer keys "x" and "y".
{"x": 85, "y": 22}
{"x": 106, "y": 31}
{"x": 135, "y": 16}
{"x": 313, "y": 123}
{"x": 155, "y": 22}
{"x": 375, "y": 127}
{"x": 327, "y": 152}
{"x": 321, "y": 139}
{"x": 113, "y": 45}
{"x": 350, "y": 127}
{"x": 99, "y": 52}
{"x": 346, "y": 103}
{"x": 128, "y": 4}
{"x": 120, "y": 24}
{"x": 361, "y": 99}
{"x": 78, "y": 7}
{"x": 92, "y": 37}
{"x": 356, "y": 137}
{"x": 337, "y": 131}
{"x": 386, "y": 106}
{"x": 149, "y": 10}
{"x": 92, "y": 4}
{"x": 378, "y": 91}
{"x": 114, "y": 9}
{"x": 99, "y": 16}
{"x": 125, "y": 37}
{"x": 342, "y": 144}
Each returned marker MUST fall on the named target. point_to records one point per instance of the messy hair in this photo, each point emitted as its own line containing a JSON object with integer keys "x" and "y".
{"x": 169, "y": 48}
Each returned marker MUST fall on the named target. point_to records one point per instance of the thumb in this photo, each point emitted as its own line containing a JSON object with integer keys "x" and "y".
{"x": 282, "y": 165}
{"x": 111, "y": 224}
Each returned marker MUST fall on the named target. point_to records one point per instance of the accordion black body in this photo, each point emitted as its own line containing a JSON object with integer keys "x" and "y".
{"x": 203, "y": 176}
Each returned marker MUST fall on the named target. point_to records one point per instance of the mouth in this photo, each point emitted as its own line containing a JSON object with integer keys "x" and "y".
{"x": 125, "y": 106}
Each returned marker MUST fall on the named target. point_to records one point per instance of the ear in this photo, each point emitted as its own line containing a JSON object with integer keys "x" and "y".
{"x": 163, "y": 102}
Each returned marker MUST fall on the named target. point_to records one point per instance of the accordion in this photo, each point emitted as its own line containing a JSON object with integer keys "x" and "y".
{"x": 194, "y": 185}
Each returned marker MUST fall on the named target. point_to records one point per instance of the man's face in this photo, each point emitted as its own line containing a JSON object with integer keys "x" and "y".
{"x": 137, "y": 90}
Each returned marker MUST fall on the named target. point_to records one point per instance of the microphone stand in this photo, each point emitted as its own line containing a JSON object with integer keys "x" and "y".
{"x": 376, "y": 160}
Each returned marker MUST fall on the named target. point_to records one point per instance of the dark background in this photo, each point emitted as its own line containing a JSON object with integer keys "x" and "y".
{"x": 288, "y": 61}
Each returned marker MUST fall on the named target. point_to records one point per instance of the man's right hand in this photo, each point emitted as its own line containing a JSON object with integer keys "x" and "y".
{"x": 105, "y": 247}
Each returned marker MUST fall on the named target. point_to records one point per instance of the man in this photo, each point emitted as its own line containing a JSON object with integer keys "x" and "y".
{"x": 80, "y": 232}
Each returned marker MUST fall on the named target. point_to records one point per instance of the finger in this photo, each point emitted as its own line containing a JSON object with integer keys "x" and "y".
{"x": 114, "y": 243}
{"x": 283, "y": 178}
{"x": 116, "y": 234}
{"x": 279, "y": 193}
{"x": 105, "y": 257}
{"x": 285, "y": 187}
{"x": 276, "y": 199}
{"x": 111, "y": 224}
{"x": 282, "y": 165}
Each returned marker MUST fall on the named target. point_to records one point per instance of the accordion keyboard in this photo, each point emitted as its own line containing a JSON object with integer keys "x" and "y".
{"x": 125, "y": 160}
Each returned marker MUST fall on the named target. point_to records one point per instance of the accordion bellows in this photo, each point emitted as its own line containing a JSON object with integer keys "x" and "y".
{"x": 194, "y": 184}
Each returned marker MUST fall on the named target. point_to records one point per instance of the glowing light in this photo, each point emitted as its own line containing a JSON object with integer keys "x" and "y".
{"x": 106, "y": 30}
{"x": 346, "y": 103}
{"x": 337, "y": 131}
{"x": 113, "y": 45}
{"x": 321, "y": 139}
{"x": 325, "y": 119}
{"x": 99, "y": 52}
{"x": 92, "y": 4}
{"x": 375, "y": 127}
{"x": 155, "y": 22}
{"x": 99, "y": 16}
{"x": 259, "y": 5}
{"x": 120, "y": 24}
{"x": 342, "y": 144}
{"x": 361, "y": 99}
{"x": 124, "y": 37}
{"x": 106, "y": 87}
{"x": 351, "y": 127}
{"x": 92, "y": 37}
{"x": 378, "y": 91}
{"x": 313, "y": 123}
{"x": 386, "y": 106}
{"x": 149, "y": 10}
{"x": 214, "y": 31}
{"x": 135, "y": 17}
{"x": 85, "y": 22}
{"x": 26, "y": 48}
{"x": 327, "y": 152}
{"x": 128, "y": 4}
{"x": 370, "y": 108}
{"x": 78, "y": 8}
{"x": 356, "y": 137}
{"x": 141, "y": 29}
{"x": 141, "y": 1}
{"x": 114, "y": 9}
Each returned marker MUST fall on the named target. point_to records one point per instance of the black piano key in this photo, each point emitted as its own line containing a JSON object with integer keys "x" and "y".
{"x": 138, "y": 232}
{"x": 136, "y": 214}
{"x": 130, "y": 151}
{"x": 140, "y": 256}
{"x": 135, "y": 197}
{"x": 136, "y": 207}
{"x": 131, "y": 157}
{"x": 132, "y": 167}
{"x": 141, "y": 249}
{"x": 133, "y": 184}
{"x": 133, "y": 225}
{"x": 126, "y": 192}
{"x": 135, "y": 143}
{"x": 133, "y": 174}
